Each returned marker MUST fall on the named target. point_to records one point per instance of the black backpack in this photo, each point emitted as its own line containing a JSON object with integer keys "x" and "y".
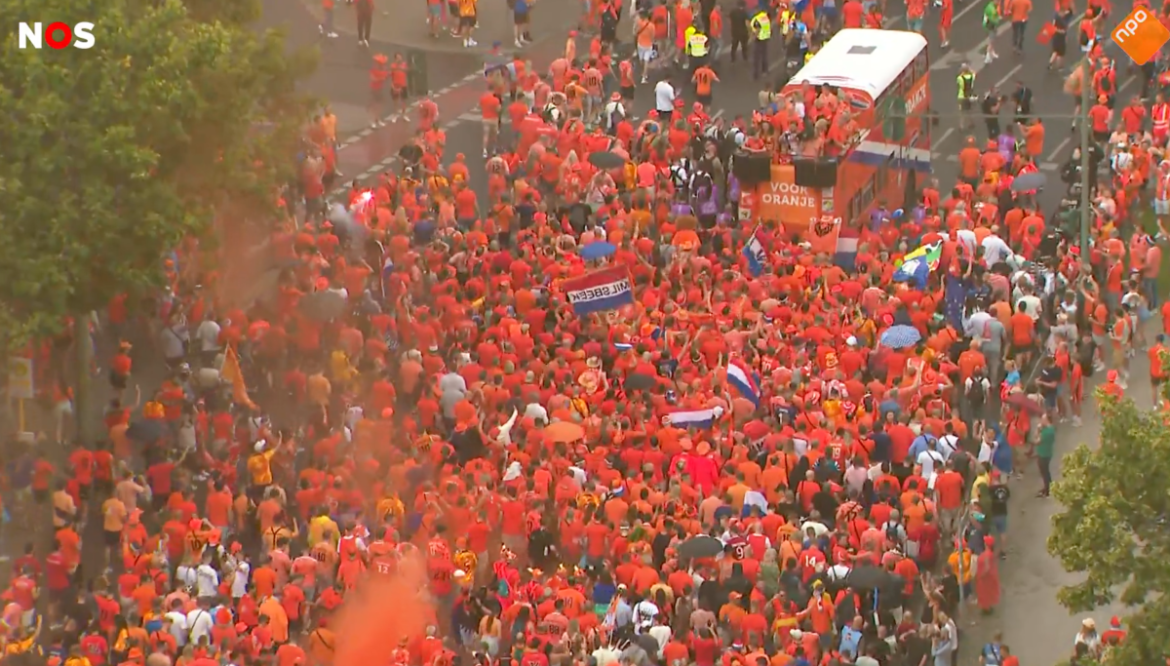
{"x": 976, "y": 393}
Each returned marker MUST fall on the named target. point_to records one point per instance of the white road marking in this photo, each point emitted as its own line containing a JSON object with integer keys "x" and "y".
{"x": 943, "y": 138}
{"x": 1007, "y": 77}
{"x": 1059, "y": 147}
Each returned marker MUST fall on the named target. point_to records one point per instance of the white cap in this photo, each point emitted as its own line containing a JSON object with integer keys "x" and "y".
{"x": 260, "y": 446}
{"x": 851, "y": 341}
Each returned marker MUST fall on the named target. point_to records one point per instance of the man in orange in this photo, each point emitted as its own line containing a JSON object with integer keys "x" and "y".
{"x": 379, "y": 73}
{"x": 398, "y": 92}
{"x": 1023, "y": 329}
{"x": 703, "y": 78}
{"x": 1159, "y": 358}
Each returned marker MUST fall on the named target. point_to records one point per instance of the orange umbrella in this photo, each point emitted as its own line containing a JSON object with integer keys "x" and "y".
{"x": 563, "y": 432}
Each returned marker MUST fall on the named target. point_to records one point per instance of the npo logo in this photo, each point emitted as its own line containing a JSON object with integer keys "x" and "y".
{"x": 58, "y": 35}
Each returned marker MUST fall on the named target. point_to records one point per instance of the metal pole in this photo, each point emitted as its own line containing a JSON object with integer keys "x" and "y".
{"x": 1086, "y": 138}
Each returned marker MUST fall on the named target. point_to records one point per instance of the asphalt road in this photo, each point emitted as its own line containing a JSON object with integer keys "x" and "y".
{"x": 457, "y": 85}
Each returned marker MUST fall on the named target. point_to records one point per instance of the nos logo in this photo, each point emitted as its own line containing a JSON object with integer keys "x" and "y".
{"x": 58, "y": 35}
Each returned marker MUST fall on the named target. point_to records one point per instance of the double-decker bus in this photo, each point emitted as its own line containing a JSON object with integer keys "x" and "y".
{"x": 882, "y": 77}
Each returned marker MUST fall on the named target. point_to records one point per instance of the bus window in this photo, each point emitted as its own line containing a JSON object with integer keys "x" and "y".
{"x": 921, "y": 66}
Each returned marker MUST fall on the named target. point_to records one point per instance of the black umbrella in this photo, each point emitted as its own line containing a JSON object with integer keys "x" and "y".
{"x": 639, "y": 382}
{"x": 1029, "y": 182}
{"x": 700, "y": 547}
{"x": 869, "y": 578}
{"x": 148, "y": 431}
{"x": 606, "y": 160}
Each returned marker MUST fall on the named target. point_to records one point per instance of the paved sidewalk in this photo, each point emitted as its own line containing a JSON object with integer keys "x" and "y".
{"x": 404, "y": 23}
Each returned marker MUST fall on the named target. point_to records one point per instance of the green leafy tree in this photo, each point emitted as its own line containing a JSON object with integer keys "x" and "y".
{"x": 114, "y": 154}
{"x": 1114, "y": 528}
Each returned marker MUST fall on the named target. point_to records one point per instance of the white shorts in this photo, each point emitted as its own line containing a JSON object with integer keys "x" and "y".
{"x": 645, "y": 53}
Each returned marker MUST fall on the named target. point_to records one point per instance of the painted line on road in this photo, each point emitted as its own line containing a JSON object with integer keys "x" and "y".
{"x": 1007, "y": 77}
{"x": 358, "y": 136}
{"x": 943, "y": 139}
{"x": 1059, "y": 147}
{"x": 1044, "y": 166}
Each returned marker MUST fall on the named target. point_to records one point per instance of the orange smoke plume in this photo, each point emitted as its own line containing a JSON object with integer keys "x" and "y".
{"x": 380, "y": 614}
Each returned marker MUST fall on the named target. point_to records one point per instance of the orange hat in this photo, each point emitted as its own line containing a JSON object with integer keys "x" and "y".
{"x": 1111, "y": 376}
{"x": 381, "y": 58}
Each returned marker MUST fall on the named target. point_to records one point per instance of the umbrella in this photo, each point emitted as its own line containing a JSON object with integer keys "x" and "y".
{"x": 145, "y": 432}
{"x": 1022, "y": 401}
{"x": 597, "y": 250}
{"x": 563, "y": 432}
{"x": 700, "y": 547}
{"x": 868, "y": 578}
{"x": 606, "y": 160}
{"x": 1029, "y": 181}
{"x": 639, "y": 382}
{"x": 323, "y": 305}
{"x": 900, "y": 337}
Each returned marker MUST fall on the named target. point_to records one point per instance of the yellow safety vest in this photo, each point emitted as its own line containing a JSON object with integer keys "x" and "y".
{"x": 763, "y": 26}
{"x": 785, "y": 22}
{"x": 698, "y": 45}
{"x": 808, "y": 56}
{"x": 687, "y": 35}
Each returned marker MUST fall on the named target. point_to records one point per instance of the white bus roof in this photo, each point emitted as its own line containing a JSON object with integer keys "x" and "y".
{"x": 863, "y": 59}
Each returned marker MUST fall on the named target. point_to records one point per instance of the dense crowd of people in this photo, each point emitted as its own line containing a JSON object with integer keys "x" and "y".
{"x": 741, "y": 452}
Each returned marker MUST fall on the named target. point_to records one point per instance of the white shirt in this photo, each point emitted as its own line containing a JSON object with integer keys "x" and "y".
{"x": 178, "y": 627}
{"x": 240, "y": 579}
{"x": 663, "y": 96}
{"x": 928, "y": 459}
{"x": 660, "y": 633}
{"x": 995, "y": 250}
{"x": 208, "y": 335}
{"x": 200, "y": 623}
{"x": 206, "y": 581}
{"x": 948, "y": 444}
{"x": 644, "y": 613}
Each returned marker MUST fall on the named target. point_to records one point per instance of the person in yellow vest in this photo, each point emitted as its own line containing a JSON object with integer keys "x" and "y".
{"x": 698, "y": 46}
{"x": 761, "y": 27}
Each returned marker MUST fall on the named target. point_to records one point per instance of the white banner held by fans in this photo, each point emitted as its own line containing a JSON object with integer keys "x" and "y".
{"x": 20, "y": 378}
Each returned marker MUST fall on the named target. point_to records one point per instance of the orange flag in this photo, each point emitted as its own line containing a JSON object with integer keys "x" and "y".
{"x": 232, "y": 373}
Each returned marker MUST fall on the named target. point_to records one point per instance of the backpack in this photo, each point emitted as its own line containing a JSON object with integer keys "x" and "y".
{"x": 616, "y": 115}
{"x": 976, "y": 393}
{"x": 893, "y": 534}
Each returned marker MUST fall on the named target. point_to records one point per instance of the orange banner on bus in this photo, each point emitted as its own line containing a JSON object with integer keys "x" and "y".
{"x": 782, "y": 200}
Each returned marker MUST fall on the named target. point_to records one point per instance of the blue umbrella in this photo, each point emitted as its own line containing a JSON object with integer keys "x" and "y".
{"x": 597, "y": 250}
{"x": 900, "y": 337}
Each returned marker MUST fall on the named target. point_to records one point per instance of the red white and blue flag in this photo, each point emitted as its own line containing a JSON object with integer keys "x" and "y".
{"x": 601, "y": 290}
{"x": 743, "y": 380}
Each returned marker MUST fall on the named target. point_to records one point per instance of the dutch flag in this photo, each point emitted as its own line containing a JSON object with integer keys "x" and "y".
{"x": 695, "y": 418}
{"x": 753, "y": 251}
{"x": 743, "y": 381}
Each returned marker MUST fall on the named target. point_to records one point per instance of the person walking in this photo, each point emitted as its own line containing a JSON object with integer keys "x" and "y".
{"x": 965, "y": 82}
{"x": 739, "y": 30}
{"x": 326, "y": 26}
{"x": 365, "y": 20}
{"x": 1045, "y": 449}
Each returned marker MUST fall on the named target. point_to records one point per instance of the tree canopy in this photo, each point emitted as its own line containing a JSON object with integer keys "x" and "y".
{"x": 1114, "y": 526}
{"x": 116, "y": 153}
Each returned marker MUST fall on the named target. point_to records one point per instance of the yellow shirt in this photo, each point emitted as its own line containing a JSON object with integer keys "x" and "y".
{"x": 467, "y": 8}
{"x": 260, "y": 467}
{"x": 317, "y": 528}
{"x": 19, "y": 647}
